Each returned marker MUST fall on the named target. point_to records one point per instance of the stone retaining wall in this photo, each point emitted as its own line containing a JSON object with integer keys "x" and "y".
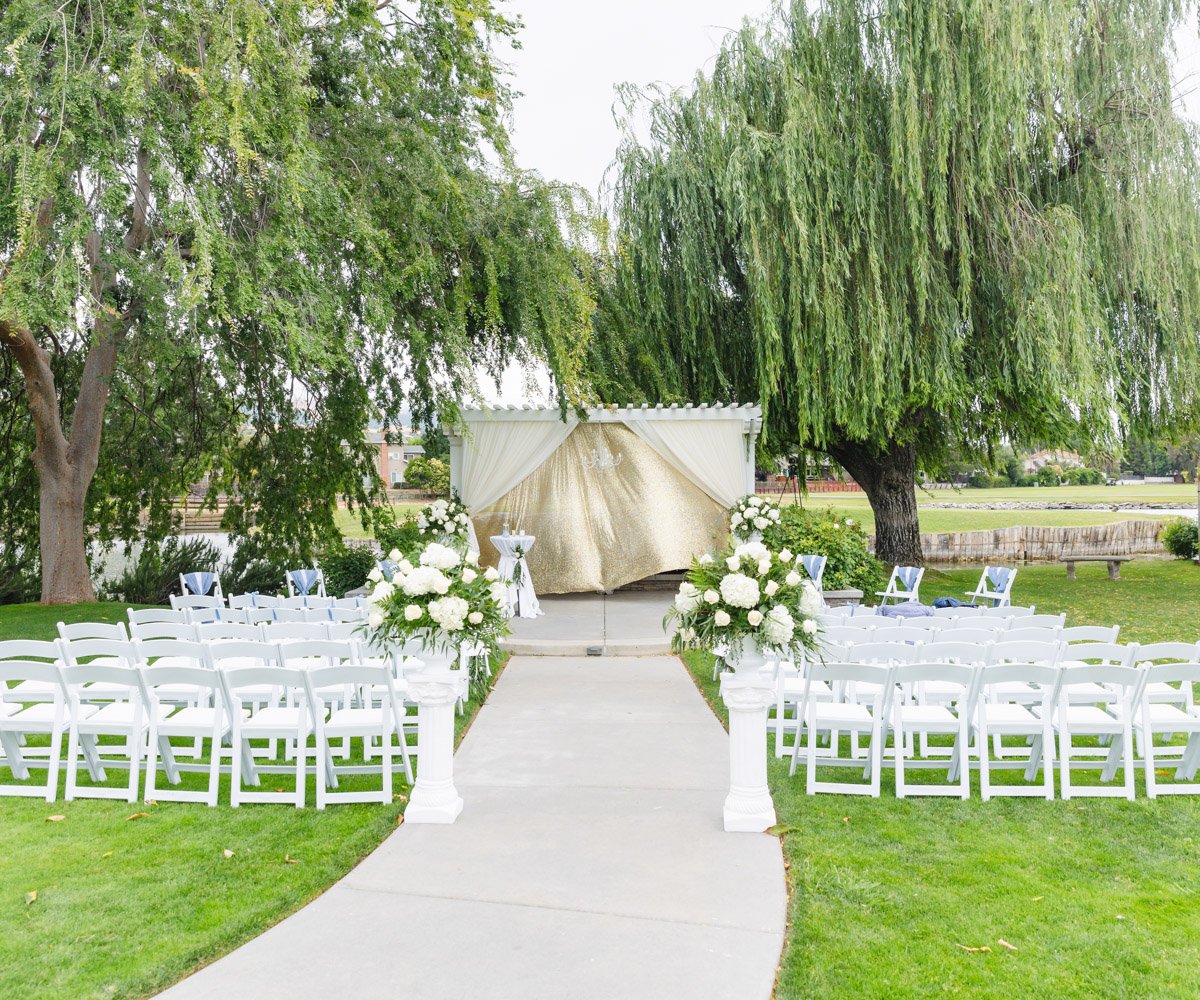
{"x": 1032, "y": 544}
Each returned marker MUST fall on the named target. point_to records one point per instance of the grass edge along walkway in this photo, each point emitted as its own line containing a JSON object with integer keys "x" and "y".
{"x": 127, "y": 906}
{"x": 912, "y": 898}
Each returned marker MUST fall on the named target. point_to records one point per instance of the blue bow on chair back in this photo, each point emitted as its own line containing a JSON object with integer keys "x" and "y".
{"x": 907, "y": 576}
{"x": 388, "y": 569}
{"x": 998, "y": 577}
{"x": 303, "y": 580}
{"x": 814, "y": 566}
{"x": 199, "y": 583}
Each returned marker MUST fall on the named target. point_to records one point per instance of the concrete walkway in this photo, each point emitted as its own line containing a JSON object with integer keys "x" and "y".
{"x": 627, "y": 623}
{"x": 589, "y": 862}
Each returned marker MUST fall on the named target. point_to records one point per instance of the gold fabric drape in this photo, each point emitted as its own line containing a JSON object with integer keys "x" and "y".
{"x": 601, "y": 525}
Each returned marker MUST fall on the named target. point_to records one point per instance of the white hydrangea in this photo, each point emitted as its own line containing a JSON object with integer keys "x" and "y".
{"x": 688, "y": 598}
{"x": 756, "y": 501}
{"x": 383, "y": 590}
{"x": 449, "y": 612}
{"x": 779, "y": 626}
{"x": 374, "y": 618}
{"x": 739, "y": 590}
{"x": 425, "y": 580}
{"x": 761, "y": 522}
{"x": 811, "y": 601}
{"x": 440, "y": 556}
{"x": 753, "y": 550}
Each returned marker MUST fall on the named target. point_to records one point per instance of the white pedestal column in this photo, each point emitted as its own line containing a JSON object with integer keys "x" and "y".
{"x": 748, "y": 806}
{"x": 434, "y": 798}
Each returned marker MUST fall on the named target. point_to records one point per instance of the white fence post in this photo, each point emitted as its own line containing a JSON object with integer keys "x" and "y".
{"x": 434, "y": 798}
{"x": 748, "y": 806}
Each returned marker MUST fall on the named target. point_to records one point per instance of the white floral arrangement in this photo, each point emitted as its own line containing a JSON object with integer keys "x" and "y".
{"x": 753, "y": 513}
{"x": 439, "y": 595}
{"x": 449, "y": 519}
{"x": 746, "y": 593}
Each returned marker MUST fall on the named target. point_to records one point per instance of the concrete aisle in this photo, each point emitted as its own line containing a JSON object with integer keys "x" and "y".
{"x": 589, "y": 862}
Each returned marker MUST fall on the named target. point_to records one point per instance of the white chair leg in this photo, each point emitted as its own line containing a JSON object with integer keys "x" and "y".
{"x": 235, "y": 777}
{"x": 1148, "y": 755}
{"x": 985, "y": 770}
{"x": 1064, "y": 762}
{"x": 302, "y": 769}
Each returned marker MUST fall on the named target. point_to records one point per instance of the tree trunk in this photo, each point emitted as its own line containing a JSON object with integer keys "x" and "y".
{"x": 66, "y": 577}
{"x": 890, "y": 481}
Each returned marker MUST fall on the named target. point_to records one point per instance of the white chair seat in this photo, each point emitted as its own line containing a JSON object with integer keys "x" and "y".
{"x": 118, "y": 715}
{"x": 277, "y": 719}
{"x": 191, "y": 721}
{"x": 1159, "y": 691}
{"x": 40, "y": 715}
{"x": 1089, "y": 717}
{"x": 923, "y": 716}
{"x": 794, "y": 686}
{"x": 840, "y": 713}
{"x": 1165, "y": 715}
{"x": 33, "y": 691}
{"x": 352, "y": 721}
{"x": 1009, "y": 714}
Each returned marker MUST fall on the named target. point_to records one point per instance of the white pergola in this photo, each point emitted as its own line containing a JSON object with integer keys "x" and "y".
{"x": 587, "y": 484}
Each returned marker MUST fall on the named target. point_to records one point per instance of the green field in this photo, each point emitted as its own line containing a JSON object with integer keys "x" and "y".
{"x": 131, "y": 898}
{"x": 350, "y": 523}
{"x": 1097, "y": 898}
{"x": 1098, "y": 495}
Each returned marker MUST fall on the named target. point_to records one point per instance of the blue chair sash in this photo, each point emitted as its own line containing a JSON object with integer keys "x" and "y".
{"x": 304, "y": 580}
{"x": 199, "y": 583}
{"x": 999, "y": 576}
{"x": 907, "y": 575}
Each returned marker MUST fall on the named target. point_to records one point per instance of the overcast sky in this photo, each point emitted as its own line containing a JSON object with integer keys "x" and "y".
{"x": 575, "y": 52}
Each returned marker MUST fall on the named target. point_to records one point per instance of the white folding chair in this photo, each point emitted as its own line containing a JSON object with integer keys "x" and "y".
{"x": 353, "y": 615}
{"x": 196, "y": 602}
{"x": 848, "y": 633}
{"x": 382, "y": 718}
{"x": 115, "y": 631}
{"x": 899, "y": 633}
{"x": 1169, "y": 720}
{"x": 919, "y": 715}
{"x": 1076, "y": 654}
{"x": 32, "y": 689}
{"x": 156, "y": 616}
{"x": 257, "y": 616}
{"x": 241, "y": 601}
{"x": 163, "y": 630}
{"x": 936, "y": 692}
{"x": 1040, "y": 621}
{"x": 1074, "y": 718}
{"x": 860, "y": 717}
{"x": 295, "y": 631}
{"x": 1013, "y": 610}
{"x": 976, "y": 623}
{"x": 999, "y": 714}
{"x": 205, "y": 718}
{"x": 1089, "y": 633}
{"x": 237, "y": 616}
{"x": 318, "y": 603}
{"x": 958, "y": 612}
{"x": 20, "y": 720}
{"x": 1014, "y": 690}
{"x": 348, "y": 603}
{"x": 222, "y": 631}
{"x": 1161, "y": 692}
{"x": 995, "y": 585}
{"x": 1038, "y": 633}
{"x": 296, "y": 603}
{"x": 201, "y": 585}
{"x": 903, "y": 585}
{"x": 296, "y": 616}
{"x": 287, "y": 718}
{"x": 117, "y": 712}
{"x": 202, "y": 616}
{"x": 303, "y": 582}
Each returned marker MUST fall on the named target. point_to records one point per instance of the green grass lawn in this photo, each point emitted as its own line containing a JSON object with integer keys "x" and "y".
{"x": 1152, "y": 494}
{"x": 350, "y": 523}
{"x": 125, "y": 906}
{"x": 936, "y": 519}
{"x": 1099, "y": 898}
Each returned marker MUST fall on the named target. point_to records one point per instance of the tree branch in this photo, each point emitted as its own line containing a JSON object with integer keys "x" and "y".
{"x": 51, "y": 446}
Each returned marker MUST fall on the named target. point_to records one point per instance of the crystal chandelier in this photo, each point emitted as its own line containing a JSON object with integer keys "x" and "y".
{"x": 602, "y": 459}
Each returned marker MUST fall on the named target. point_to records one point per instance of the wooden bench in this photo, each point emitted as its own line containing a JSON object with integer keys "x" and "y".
{"x": 1114, "y": 564}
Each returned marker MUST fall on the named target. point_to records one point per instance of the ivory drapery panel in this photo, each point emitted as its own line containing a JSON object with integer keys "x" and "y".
{"x": 600, "y": 528}
{"x": 500, "y": 453}
{"x": 711, "y": 453}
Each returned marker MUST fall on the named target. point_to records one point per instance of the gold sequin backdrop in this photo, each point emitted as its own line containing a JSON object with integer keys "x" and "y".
{"x": 597, "y": 527}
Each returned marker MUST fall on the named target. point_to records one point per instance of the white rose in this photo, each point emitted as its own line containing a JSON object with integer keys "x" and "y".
{"x": 686, "y": 602}
{"x": 733, "y": 562}
{"x": 721, "y": 618}
{"x": 475, "y": 617}
{"x": 849, "y": 522}
{"x": 375, "y": 618}
{"x": 837, "y": 524}
{"x": 736, "y": 519}
{"x": 754, "y": 618}
{"x": 705, "y": 559}
{"x": 412, "y": 612}
{"x": 764, "y": 567}
{"x": 711, "y": 596}
{"x": 490, "y": 574}
{"x": 755, "y": 501}
{"x": 405, "y": 567}
{"x": 792, "y": 579}
{"x": 770, "y": 588}
{"x": 394, "y": 555}
{"x": 785, "y": 556}
{"x": 498, "y": 592}
{"x": 375, "y": 575}
{"x": 469, "y": 576}
{"x": 688, "y": 589}
{"x": 809, "y": 627}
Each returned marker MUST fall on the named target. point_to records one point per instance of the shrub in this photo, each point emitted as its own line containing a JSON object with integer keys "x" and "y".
{"x": 346, "y": 568}
{"x": 1083, "y": 477}
{"x": 841, "y": 540}
{"x": 19, "y": 578}
{"x": 403, "y": 535}
{"x": 1049, "y": 475}
{"x": 252, "y": 569}
{"x": 153, "y": 575}
{"x": 1179, "y": 537}
{"x": 429, "y": 474}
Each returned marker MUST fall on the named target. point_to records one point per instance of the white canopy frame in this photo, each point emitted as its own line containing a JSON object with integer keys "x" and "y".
{"x": 525, "y": 458}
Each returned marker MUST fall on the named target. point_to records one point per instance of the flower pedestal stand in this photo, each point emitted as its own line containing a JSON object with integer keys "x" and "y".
{"x": 434, "y": 798}
{"x": 748, "y": 807}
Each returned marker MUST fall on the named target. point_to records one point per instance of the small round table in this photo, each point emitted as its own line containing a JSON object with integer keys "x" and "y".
{"x": 521, "y": 600}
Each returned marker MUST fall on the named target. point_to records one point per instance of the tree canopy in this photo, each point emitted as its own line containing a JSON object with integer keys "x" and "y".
{"x": 910, "y": 229}
{"x": 232, "y": 232}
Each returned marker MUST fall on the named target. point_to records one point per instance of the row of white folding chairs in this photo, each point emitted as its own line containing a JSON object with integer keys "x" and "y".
{"x": 246, "y": 615}
{"x": 237, "y": 601}
{"x": 1051, "y": 652}
{"x": 930, "y": 623}
{"x": 175, "y": 628}
{"x": 965, "y": 633}
{"x": 1046, "y": 704}
{"x": 162, "y": 688}
{"x": 857, "y": 611}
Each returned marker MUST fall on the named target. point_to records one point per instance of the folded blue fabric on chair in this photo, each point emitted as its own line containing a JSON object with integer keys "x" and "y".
{"x": 908, "y": 609}
{"x": 951, "y": 602}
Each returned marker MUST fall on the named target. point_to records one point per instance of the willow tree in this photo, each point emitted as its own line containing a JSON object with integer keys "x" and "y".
{"x": 234, "y": 231}
{"x": 908, "y": 228}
